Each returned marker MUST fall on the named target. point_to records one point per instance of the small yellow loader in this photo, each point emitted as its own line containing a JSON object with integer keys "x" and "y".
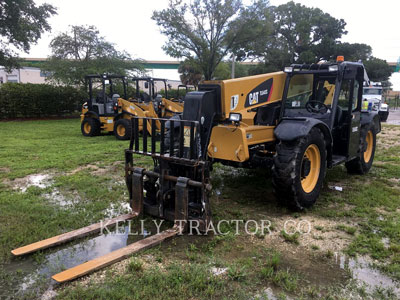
{"x": 150, "y": 100}
{"x": 107, "y": 111}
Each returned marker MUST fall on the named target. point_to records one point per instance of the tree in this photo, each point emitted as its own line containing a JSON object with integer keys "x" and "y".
{"x": 207, "y": 31}
{"x": 83, "y": 51}
{"x": 378, "y": 69}
{"x": 300, "y": 34}
{"x": 190, "y": 73}
{"x": 351, "y": 52}
{"x": 21, "y": 25}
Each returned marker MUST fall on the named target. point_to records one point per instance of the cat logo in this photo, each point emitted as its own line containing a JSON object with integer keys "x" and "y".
{"x": 260, "y": 94}
{"x": 253, "y": 98}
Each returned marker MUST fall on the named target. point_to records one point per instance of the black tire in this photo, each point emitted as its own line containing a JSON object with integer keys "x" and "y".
{"x": 359, "y": 165}
{"x": 384, "y": 116}
{"x": 288, "y": 170}
{"x": 123, "y": 129}
{"x": 90, "y": 127}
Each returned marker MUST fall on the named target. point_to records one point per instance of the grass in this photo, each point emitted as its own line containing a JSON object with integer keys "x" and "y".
{"x": 347, "y": 229}
{"x": 291, "y": 238}
{"x": 181, "y": 268}
{"x": 135, "y": 265}
{"x": 57, "y": 147}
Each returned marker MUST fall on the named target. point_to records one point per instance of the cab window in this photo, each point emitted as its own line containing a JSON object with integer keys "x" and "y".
{"x": 355, "y": 94}
{"x": 344, "y": 95}
{"x": 349, "y": 88}
{"x": 307, "y": 87}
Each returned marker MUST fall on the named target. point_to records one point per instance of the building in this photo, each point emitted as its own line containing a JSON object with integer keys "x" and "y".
{"x": 23, "y": 75}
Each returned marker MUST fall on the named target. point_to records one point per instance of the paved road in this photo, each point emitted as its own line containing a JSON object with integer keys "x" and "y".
{"x": 394, "y": 117}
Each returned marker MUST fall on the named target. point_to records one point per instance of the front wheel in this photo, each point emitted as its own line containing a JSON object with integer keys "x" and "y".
{"x": 366, "y": 153}
{"x": 90, "y": 127}
{"x": 299, "y": 169}
{"x": 122, "y": 129}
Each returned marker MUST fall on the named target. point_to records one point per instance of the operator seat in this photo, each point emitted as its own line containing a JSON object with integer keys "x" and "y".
{"x": 115, "y": 97}
{"x": 145, "y": 97}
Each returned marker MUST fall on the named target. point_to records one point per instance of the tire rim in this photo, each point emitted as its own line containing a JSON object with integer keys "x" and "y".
{"x": 313, "y": 155}
{"x": 121, "y": 130}
{"x": 369, "y": 139}
{"x": 87, "y": 128}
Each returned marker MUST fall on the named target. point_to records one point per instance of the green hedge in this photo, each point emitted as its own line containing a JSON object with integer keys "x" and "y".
{"x": 24, "y": 100}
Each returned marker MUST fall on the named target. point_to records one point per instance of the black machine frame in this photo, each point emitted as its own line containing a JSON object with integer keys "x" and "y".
{"x": 89, "y": 80}
{"x": 343, "y": 139}
{"x": 150, "y": 81}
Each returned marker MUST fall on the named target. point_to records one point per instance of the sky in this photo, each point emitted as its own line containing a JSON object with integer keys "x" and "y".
{"x": 128, "y": 24}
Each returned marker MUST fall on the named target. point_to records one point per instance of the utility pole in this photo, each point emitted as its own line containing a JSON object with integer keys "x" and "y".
{"x": 233, "y": 66}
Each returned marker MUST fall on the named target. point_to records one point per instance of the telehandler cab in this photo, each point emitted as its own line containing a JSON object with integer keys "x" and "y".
{"x": 108, "y": 111}
{"x": 297, "y": 123}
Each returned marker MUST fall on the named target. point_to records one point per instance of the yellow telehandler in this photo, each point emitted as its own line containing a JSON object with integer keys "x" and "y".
{"x": 297, "y": 123}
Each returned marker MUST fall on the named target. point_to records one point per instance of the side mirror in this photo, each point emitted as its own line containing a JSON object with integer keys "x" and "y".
{"x": 146, "y": 85}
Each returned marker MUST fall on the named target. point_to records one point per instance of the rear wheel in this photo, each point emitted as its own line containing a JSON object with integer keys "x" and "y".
{"x": 122, "y": 129}
{"x": 299, "y": 170}
{"x": 90, "y": 127}
{"x": 363, "y": 162}
{"x": 384, "y": 115}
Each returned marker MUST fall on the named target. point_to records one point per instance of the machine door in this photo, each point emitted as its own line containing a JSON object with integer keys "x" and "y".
{"x": 349, "y": 105}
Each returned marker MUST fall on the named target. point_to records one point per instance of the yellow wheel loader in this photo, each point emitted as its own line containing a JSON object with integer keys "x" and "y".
{"x": 148, "y": 98}
{"x": 106, "y": 110}
{"x": 181, "y": 91}
{"x": 297, "y": 123}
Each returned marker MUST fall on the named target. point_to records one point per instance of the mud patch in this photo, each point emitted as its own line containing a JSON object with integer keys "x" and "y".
{"x": 5, "y": 170}
{"x": 114, "y": 168}
{"x": 82, "y": 168}
{"x": 316, "y": 232}
{"x": 97, "y": 170}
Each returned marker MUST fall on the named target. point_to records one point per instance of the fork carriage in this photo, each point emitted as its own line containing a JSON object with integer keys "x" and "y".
{"x": 178, "y": 185}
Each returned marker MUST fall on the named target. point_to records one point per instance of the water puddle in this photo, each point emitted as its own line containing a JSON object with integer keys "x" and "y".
{"x": 364, "y": 273}
{"x": 57, "y": 198}
{"x": 118, "y": 209}
{"x": 269, "y": 294}
{"x": 39, "y": 180}
{"x": 27, "y": 276}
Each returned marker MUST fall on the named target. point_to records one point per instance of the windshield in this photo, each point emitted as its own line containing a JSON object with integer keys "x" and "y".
{"x": 305, "y": 88}
{"x": 372, "y": 91}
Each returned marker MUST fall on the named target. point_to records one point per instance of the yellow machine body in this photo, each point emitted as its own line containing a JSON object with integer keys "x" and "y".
{"x": 171, "y": 107}
{"x": 126, "y": 109}
{"x": 242, "y": 95}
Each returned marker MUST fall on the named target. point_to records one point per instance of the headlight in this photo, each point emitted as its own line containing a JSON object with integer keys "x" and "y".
{"x": 288, "y": 69}
{"x": 333, "y": 68}
{"x": 234, "y": 117}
